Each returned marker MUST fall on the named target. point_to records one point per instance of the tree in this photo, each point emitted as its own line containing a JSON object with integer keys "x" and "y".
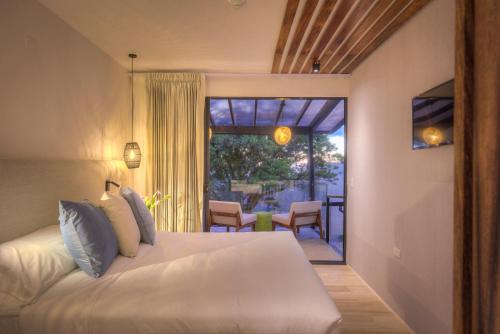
{"x": 253, "y": 158}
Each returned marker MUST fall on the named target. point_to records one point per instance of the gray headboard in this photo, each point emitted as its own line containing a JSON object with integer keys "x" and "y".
{"x": 30, "y": 190}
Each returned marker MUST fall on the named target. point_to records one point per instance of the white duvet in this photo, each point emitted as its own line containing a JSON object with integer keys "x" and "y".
{"x": 193, "y": 283}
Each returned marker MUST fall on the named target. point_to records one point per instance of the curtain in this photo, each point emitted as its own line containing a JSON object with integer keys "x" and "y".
{"x": 176, "y": 111}
{"x": 477, "y": 168}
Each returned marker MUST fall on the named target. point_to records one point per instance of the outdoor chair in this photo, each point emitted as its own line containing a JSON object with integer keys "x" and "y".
{"x": 229, "y": 214}
{"x": 301, "y": 214}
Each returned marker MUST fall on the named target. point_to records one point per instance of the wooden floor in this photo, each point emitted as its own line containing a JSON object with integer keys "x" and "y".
{"x": 362, "y": 311}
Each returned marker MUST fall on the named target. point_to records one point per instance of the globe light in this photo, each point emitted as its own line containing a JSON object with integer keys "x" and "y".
{"x": 432, "y": 136}
{"x": 282, "y": 135}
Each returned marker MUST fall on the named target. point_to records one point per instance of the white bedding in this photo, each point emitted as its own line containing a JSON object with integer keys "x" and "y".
{"x": 193, "y": 283}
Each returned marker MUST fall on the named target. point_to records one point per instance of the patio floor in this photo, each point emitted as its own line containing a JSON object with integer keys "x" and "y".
{"x": 313, "y": 246}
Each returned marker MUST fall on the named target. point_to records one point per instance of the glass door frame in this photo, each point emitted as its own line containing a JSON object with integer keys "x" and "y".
{"x": 326, "y": 204}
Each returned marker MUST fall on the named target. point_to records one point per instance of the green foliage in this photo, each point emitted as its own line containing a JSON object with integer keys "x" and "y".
{"x": 254, "y": 158}
{"x": 155, "y": 200}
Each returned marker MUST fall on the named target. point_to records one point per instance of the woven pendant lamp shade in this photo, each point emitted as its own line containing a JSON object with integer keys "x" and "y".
{"x": 132, "y": 155}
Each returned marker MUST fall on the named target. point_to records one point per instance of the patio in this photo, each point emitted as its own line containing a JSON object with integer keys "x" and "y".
{"x": 246, "y": 166}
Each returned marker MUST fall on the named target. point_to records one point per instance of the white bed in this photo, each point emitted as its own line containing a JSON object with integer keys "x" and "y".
{"x": 192, "y": 283}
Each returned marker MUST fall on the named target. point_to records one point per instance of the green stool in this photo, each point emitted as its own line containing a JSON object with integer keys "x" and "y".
{"x": 264, "y": 221}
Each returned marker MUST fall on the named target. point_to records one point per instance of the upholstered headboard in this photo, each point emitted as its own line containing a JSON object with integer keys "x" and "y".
{"x": 30, "y": 190}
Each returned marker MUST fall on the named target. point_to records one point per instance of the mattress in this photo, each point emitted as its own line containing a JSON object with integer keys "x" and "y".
{"x": 193, "y": 283}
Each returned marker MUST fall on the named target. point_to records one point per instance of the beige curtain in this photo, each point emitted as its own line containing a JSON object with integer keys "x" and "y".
{"x": 176, "y": 111}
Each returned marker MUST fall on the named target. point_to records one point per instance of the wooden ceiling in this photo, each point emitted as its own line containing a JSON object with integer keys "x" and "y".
{"x": 339, "y": 33}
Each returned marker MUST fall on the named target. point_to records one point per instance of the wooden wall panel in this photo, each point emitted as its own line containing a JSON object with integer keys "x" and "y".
{"x": 477, "y": 166}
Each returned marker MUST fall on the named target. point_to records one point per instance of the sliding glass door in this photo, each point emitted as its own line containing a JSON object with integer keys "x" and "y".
{"x": 246, "y": 164}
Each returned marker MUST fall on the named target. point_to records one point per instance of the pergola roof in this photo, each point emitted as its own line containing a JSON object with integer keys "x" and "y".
{"x": 254, "y": 115}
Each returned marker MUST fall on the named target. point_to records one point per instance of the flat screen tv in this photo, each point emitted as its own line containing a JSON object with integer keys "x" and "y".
{"x": 433, "y": 117}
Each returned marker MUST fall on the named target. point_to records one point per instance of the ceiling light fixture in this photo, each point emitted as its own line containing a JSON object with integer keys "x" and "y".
{"x": 316, "y": 66}
{"x": 132, "y": 151}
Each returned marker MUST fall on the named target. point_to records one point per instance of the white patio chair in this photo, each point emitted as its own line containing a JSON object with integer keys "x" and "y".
{"x": 301, "y": 214}
{"x": 229, "y": 214}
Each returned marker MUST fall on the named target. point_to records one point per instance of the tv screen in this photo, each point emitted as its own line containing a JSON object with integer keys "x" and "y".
{"x": 433, "y": 117}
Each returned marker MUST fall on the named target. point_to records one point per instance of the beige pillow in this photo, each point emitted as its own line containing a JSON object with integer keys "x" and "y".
{"x": 122, "y": 219}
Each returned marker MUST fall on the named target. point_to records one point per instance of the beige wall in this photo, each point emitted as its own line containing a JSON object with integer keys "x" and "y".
{"x": 278, "y": 85}
{"x": 60, "y": 96}
{"x": 399, "y": 197}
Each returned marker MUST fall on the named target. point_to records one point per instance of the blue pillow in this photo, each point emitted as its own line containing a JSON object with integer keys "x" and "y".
{"x": 144, "y": 219}
{"x": 88, "y": 236}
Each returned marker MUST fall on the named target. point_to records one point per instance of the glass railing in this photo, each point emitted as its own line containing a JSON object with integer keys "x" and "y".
{"x": 272, "y": 196}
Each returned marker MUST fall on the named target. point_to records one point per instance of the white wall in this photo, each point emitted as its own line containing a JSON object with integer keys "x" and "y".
{"x": 60, "y": 96}
{"x": 399, "y": 197}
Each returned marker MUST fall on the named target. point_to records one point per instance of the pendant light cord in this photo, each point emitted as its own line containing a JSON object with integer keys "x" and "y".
{"x": 132, "y": 98}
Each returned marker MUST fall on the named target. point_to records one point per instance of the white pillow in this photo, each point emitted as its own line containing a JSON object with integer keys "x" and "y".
{"x": 30, "y": 265}
{"x": 122, "y": 219}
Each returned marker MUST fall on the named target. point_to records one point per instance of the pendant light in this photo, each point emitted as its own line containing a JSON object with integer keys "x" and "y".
{"x": 432, "y": 136}
{"x": 132, "y": 151}
{"x": 282, "y": 135}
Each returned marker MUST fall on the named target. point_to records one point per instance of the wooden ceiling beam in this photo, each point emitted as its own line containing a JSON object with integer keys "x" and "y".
{"x": 315, "y": 31}
{"x": 355, "y": 15}
{"x": 324, "y": 112}
{"x": 338, "y": 16}
{"x": 255, "y": 130}
{"x": 286, "y": 26}
{"x": 231, "y": 111}
{"x": 305, "y": 18}
{"x": 282, "y": 105}
{"x": 343, "y": 34}
{"x": 302, "y": 112}
{"x": 407, "y": 13}
{"x": 374, "y": 14}
{"x": 396, "y": 7}
{"x": 255, "y": 114}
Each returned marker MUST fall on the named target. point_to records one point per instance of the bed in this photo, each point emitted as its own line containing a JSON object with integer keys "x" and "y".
{"x": 186, "y": 283}
{"x": 192, "y": 283}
